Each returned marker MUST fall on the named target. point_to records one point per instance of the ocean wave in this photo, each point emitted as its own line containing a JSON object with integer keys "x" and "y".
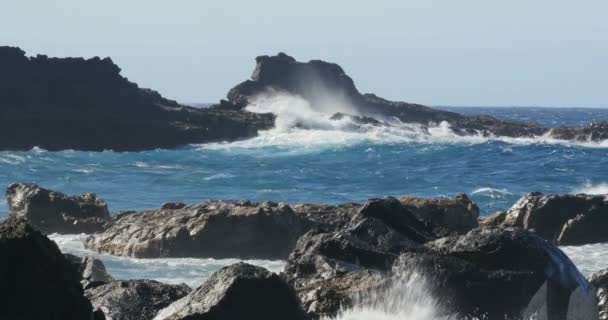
{"x": 219, "y": 176}
{"x": 593, "y": 188}
{"x": 588, "y": 258}
{"x": 302, "y": 125}
{"x": 191, "y": 271}
{"x": 491, "y": 192}
{"x": 145, "y": 165}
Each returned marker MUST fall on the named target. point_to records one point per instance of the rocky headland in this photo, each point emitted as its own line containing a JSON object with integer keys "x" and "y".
{"x": 336, "y": 256}
{"x": 86, "y": 104}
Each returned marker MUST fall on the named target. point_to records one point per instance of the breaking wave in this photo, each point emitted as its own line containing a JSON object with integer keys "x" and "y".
{"x": 300, "y": 124}
{"x": 593, "y": 188}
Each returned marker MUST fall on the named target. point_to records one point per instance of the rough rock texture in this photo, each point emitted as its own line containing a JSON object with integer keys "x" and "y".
{"x": 240, "y": 291}
{"x": 564, "y": 219}
{"x": 37, "y": 282}
{"x": 54, "y": 212}
{"x": 73, "y": 103}
{"x": 458, "y": 215}
{"x": 600, "y": 281}
{"x": 494, "y": 220}
{"x": 92, "y": 270}
{"x": 595, "y": 131}
{"x": 134, "y": 299}
{"x": 469, "y": 268}
{"x": 217, "y": 229}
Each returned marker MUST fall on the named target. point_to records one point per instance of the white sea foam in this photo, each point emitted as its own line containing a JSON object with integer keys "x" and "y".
{"x": 408, "y": 296}
{"x": 191, "y": 271}
{"x": 588, "y": 258}
{"x": 593, "y": 188}
{"x": 301, "y": 124}
{"x": 145, "y": 165}
{"x": 219, "y": 176}
{"x": 492, "y": 192}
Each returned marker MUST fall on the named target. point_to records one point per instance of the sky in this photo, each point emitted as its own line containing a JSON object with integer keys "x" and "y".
{"x": 466, "y": 52}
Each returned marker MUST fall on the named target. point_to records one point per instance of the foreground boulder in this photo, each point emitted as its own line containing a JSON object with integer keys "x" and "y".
{"x": 134, "y": 299}
{"x": 240, "y": 291}
{"x": 468, "y": 269}
{"x": 37, "y": 282}
{"x": 86, "y": 104}
{"x": 458, "y": 215}
{"x": 215, "y": 229}
{"x": 54, "y": 212}
{"x": 600, "y": 281}
{"x": 564, "y": 219}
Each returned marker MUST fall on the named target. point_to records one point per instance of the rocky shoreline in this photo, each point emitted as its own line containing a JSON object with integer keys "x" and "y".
{"x": 78, "y": 104}
{"x": 334, "y": 254}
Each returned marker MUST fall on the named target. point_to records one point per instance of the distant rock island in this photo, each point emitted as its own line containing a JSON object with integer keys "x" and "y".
{"x": 86, "y": 104}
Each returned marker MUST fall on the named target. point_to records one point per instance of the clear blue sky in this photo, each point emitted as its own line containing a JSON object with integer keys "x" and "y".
{"x": 466, "y": 52}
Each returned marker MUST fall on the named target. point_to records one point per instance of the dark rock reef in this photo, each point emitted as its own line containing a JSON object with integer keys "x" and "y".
{"x": 37, "y": 282}
{"x": 54, "y": 212}
{"x": 240, "y": 291}
{"x": 73, "y": 103}
{"x": 564, "y": 219}
{"x": 85, "y": 104}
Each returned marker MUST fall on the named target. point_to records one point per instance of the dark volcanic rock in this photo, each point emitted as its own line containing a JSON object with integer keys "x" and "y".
{"x": 595, "y": 131}
{"x": 468, "y": 270}
{"x": 134, "y": 299}
{"x": 38, "y": 283}
{"x": 600, "y": 281}
{"x": 458, "y": 215}
{"x": 218, "y": 229}
{"x": 54, "y": 212}
{"x": 73, "y": 103}
{"x": 240, "y": 291}
{"x": 564, "y": 219}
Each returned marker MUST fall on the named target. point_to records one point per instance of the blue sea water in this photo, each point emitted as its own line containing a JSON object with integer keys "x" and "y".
{"x": 324, "y": 165}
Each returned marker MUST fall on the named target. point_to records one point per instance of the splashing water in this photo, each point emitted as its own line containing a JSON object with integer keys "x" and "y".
{"x": 407, "y": 297}
{"x": 593, "y": 188}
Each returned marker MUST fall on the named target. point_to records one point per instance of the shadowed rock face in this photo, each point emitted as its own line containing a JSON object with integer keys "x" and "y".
{"x": 73, "y": 103}
{"x": 600, "y": 281}
{"x": 38, "y": 283}
{"x": 54, "y": 212}
{"x": 563, "y": 219}
{"x": 239, "y": 291}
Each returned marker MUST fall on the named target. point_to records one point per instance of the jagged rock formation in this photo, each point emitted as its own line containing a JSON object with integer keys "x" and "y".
{"x": 73, "y": 103}
{"x": 240, "y": 291}
{"x": 563, "y": 219}
{"x": 600, "y": 281}
{"x": 54, "y": 212}
{"x": 457, "y": 215}
{"x": 217, "y": 229}
{"x": 38, "y": 283}
{"x": 85, "y": 104}
{"x": 134, "y": 299}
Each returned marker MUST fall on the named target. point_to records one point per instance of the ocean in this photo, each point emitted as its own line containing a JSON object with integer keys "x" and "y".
{"x": 306, "y": 159}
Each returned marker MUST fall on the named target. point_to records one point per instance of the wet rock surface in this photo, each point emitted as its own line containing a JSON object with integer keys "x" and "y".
{"x": 600, "y": 281}
{"x": 134, "y": 299}
{"x": 216, "y": 229}
{"x": 54, "y": 212}
{"x": 563, "y": 219}
{"x": 240, "y": 291}
{"x": 38, "y": 283}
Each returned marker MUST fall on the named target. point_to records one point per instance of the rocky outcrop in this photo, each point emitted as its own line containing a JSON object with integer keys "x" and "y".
{"x": 240, "y": 291}
{"x": 322, "y": 83}
{"x": 54, "y": 212}
{"x": 216, "y": 229}
{"x": 38, "y": 283}
{"x": 563, "y": 219}
{"x": 85, "y": 104}
{"x": 457, "y": 215}
{"x": 600, "y": 281}
{"x": 92, "y": 270}
{"x": 134, "y": 299}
